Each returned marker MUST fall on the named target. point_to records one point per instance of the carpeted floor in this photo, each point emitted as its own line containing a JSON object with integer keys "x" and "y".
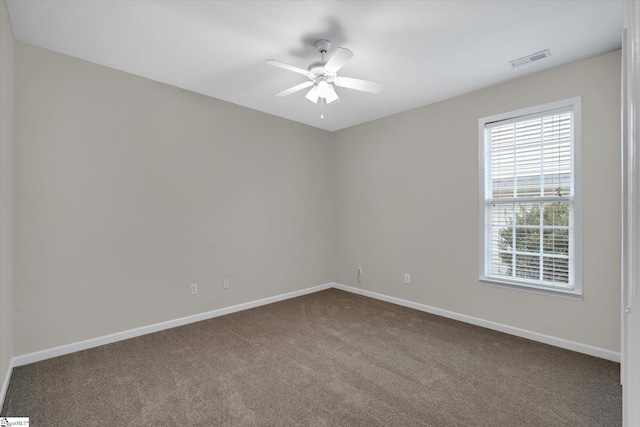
{"x": 329, "y": 358}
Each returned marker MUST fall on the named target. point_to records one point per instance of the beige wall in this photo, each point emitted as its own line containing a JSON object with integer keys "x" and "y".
{"x": 127, "y": 191}
{"x": 406, "y": 201}
{"x": 6, "y": 202}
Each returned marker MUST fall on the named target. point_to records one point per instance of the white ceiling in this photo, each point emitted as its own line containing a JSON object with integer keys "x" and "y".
{"x": 421, "y": 51}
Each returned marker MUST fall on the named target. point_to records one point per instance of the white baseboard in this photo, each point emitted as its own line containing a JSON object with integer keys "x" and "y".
{"x": 523, "y": 333}
{"x": 5, "y": 383}
{"x": 119, "y": 336}
{"x": 131, "y": 333}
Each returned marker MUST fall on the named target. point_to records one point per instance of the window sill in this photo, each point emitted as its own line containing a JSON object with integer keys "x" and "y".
{"x": 525, "y": 287}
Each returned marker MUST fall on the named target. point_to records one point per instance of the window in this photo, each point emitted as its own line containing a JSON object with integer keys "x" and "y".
{"x": 530, "y": 213}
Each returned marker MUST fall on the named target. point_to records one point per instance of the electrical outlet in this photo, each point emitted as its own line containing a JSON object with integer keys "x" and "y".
{"x": 407, "y": 278}
{"x": 194, "y": 288}
{"x": 225, "y": 284}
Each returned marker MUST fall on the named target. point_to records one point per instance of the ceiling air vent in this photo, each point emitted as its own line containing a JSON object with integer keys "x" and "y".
{"x": 531, "y": 58}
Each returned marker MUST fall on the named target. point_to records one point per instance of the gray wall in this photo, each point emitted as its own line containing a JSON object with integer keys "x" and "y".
{"x": 406, "y": 201}
{"x": 6, "y": 201}
{"x": 128, "y": 190}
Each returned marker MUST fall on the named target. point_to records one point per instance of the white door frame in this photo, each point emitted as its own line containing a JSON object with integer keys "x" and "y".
{"x": 630, "y": 372}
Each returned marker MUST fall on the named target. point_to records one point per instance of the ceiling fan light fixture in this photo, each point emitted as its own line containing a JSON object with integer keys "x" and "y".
{"x": 331, "y": 94}
{"x": 324, "y": 89}
{"x": 313, "y": 95}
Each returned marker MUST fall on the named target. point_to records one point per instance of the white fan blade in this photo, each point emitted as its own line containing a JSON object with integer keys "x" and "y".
{"x": 294, "y": 89}
{"x": 287, "y": 67}
{"x": 358, "y": 84}
{"x": 312, "y": 95}
{"x": 337, "y": 61}
{"x": 331, "y": 95}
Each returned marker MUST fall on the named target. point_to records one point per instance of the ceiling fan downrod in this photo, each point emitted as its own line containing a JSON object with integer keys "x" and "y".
{"x": 323, "y": 46}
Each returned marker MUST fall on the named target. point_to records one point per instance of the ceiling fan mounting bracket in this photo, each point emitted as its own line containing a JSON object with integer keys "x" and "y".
{"x": 323, "y": 45}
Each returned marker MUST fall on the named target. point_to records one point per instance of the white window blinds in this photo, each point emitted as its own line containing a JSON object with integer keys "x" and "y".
{"x": 529, "y": 219}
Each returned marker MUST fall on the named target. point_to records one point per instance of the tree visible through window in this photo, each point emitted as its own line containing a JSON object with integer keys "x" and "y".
{"x": 529, "y": 210}
{"x": 524, "y": 235}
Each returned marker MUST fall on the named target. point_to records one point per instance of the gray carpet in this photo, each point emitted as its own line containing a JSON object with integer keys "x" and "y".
{"x": 329, "y": 358}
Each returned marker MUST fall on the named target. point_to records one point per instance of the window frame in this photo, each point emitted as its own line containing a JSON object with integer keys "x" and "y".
{"x": 576, "y": 165}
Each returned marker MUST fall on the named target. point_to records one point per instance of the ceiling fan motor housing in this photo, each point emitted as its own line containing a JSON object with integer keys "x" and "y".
{"x": 317, "y": 70}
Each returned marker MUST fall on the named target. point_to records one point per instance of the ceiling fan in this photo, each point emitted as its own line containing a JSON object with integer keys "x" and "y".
{"x": 322, "y": 76}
